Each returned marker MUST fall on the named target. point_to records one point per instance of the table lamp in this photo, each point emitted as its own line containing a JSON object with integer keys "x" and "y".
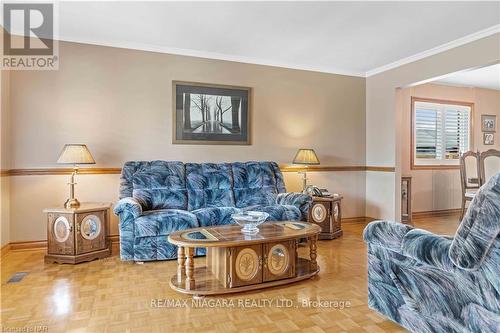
{"x": 74, "y": 154}
{"x": 305, "y": 157}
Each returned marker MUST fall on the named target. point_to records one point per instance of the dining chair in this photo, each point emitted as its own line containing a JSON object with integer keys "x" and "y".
{"x": 469, "y": 176}
{"x": 489, "y": 165}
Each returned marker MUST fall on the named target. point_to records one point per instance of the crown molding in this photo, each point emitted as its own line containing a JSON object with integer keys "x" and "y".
{"x": 272, "y": 63}
{"x": 265, "y": 62}
{"x": 212, "y": 55}
{"x": 460, "y": 85}
{"x": 435, "y": 50}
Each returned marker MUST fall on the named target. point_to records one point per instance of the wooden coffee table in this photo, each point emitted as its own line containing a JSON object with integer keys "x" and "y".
{"x": 238, "y": 262}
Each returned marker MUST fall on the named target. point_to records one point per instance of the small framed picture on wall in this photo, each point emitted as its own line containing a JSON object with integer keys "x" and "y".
{"x": 488, "y": 139}
{"x": 488, "y": 123}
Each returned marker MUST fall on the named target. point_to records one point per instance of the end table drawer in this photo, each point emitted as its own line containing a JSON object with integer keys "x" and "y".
{"x": 90, "y": 232}
{"x": 60, "y": 234}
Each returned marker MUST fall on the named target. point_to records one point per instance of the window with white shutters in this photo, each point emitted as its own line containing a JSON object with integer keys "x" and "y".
{"x": 441, "y": 131}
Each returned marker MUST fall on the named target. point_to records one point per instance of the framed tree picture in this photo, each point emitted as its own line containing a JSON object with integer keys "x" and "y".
{"x": 488, "y": 123}
{"x": 210, "y": 114}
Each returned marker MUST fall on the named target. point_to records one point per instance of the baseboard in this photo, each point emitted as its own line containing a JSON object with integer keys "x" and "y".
{"x": 432, "y": 213}
{"x": 29, "y": 245}
{"x": 5, "y": 249}
{"x": 115, "y": 239}
{"x": 42, "y": 245}
{"x": 360, "y": 219}
{"x": 115, "y": 243}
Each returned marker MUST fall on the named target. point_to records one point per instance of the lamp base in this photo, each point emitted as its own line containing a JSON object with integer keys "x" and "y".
{"x": 72, "y": 203}
{"x": 304, "y": 181}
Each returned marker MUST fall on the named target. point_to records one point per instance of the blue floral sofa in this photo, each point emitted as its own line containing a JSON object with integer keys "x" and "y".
{"x": 431, "y": 283}
{"x": 160, "y": 197}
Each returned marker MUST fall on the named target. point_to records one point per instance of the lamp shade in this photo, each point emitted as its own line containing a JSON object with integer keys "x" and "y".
{"x": 75, "y": 154}
{"x": 306, "y": 156}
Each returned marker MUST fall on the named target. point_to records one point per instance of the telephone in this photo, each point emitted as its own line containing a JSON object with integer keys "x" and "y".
{"x": 317, "y": 192}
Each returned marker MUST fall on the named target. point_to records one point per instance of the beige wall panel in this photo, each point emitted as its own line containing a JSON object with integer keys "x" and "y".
{"x": 5, "y": 145}
{"x": 4, "y": 210}
{"x": 351, "y": 185}
{"x": 119, "y": 103}
{"x": 487, "y": 102}
{"x": 380, "y": 195}
{"x": 421, "y": 190}
{"x": 31, "y": 194}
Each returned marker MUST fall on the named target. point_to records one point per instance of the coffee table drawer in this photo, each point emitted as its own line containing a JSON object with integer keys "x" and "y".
{"x": 279, "y": 260}
{"x": 245, "y": 265}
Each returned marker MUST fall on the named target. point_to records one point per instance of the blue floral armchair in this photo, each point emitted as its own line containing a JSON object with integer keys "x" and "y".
{"x": 431, "y": 283}
{"x": 160, "y": 197}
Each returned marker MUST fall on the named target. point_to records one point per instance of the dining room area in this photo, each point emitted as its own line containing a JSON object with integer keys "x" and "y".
{"x": 449, "y": 141}
{"x": 476, "y": 168}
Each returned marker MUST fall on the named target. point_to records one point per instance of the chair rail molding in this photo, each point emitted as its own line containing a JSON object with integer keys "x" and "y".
{"x": 104, "y": 171}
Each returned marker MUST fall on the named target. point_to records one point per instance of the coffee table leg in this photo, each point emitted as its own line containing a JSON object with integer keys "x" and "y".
{"x": 181, "y": 268}
{"x": 189, "y": 268}
{"x": 312, "y": 252}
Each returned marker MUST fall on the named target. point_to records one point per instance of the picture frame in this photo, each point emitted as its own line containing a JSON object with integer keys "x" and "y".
{"x": 211, "y": 114}
{"x": 488, "y": 139}
{"x": 488, "y": 123}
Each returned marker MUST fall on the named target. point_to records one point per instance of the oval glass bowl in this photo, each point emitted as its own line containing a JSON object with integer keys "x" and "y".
{"x": 249, "y": 220}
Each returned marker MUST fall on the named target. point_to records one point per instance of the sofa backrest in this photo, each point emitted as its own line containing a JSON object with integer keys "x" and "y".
{"x": 209, "y": 185}
{"x": 170, "y": 184}
{"x": 479, "y": 232}
{"x": 256, "y": 183}
{"x": 155, "y": 184}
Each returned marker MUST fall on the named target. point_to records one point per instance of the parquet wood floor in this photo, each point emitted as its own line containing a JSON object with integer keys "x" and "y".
{"x": 113, "y": 296}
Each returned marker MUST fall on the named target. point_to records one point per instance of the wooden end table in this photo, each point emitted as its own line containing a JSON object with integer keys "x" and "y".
{"x": 326, "y": 212}
{"x": 237, "y": 262}
{"x": 79, "y": 234}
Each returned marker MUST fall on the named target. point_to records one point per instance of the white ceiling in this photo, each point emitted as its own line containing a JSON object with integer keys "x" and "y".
{"x": 485, "y": 77}
{"x": 354, "y": 38}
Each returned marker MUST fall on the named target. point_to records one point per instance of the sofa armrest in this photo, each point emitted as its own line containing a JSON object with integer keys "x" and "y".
{"x": 128, "y": 209}
{"x": 428, "y": 248}
{"x": 386, "y": 234}
{"x": 300, "y": 200}
{"x": 128, "y": 205}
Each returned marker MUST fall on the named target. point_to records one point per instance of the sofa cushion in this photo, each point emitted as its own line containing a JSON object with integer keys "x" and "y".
{"x": 480, "y": 227}
{"x": 164, "y": 222}
{"x": 157, "y": 184}
{"x": 215, "y": 215}
{"x": 256, "y": 183}
{"x": 209, "y": 185}
{"x": 278, "y": 212}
